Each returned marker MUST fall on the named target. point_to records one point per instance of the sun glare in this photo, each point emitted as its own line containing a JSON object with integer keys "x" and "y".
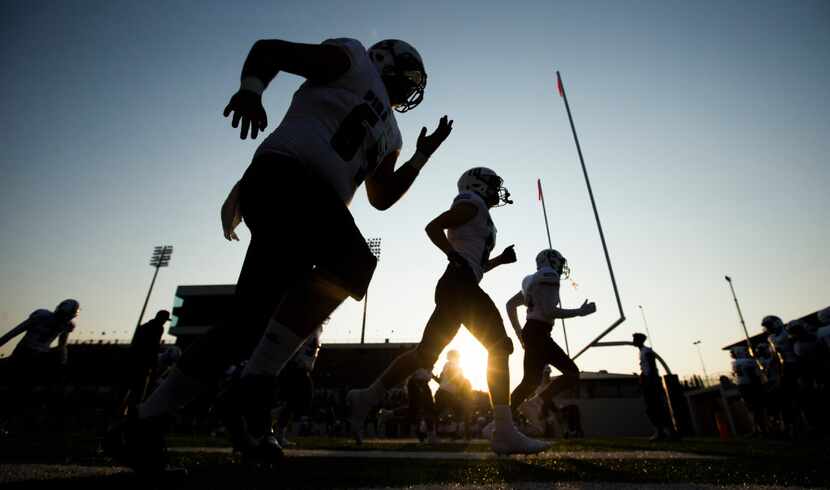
{"x": 473, "y": 359}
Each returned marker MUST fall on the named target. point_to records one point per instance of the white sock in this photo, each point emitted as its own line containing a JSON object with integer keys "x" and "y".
{"x": 503, "y": 418}
{"x": 277, "y": 346}
{"x": 177, "y": 390}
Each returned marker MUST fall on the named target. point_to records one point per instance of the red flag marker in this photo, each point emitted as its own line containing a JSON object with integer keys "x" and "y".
{"x": 539, "y": 187}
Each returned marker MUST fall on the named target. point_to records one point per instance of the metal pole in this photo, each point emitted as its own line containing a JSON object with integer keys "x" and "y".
{"x": 741, "y": 317}
{"x": 363, "y": 328}
{"x": 374, "y": 247}
{"x": 643, "y": 313}
{"x": 544, "y": 211}
{"x": 700, "y": 356}
{"x": 596, "y": 217}
{"x": 550, "y": 245}
{"x": 147, "y": 299}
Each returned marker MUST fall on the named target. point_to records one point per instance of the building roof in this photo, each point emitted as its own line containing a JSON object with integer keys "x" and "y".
{"x": 206, "y": 290}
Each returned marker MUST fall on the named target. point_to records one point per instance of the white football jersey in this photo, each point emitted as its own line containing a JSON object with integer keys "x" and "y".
{"x": 541, "y": 293}
{"x": 44, "y": 328}
{"x": 475, "y": 239}
{"x": 343, "y": 128}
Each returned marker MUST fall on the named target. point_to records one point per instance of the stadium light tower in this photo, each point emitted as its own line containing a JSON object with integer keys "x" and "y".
{"x": 161, "y": 258}
{"x": 696, "y": 343}
{"x": 650, "y": 339}
{"x": 374, "y": 247}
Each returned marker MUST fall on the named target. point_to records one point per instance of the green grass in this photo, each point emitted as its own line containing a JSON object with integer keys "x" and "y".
{"x": 750, "y": 462}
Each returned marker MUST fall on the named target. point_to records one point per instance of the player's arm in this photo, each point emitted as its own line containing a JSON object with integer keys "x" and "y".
{"x": 386, "y": 185}
{"x": 584, "y": 310}
{"x": 454, "y": 217}
{"x": 512, "y": 307}
{"x": 230, "y": 214}
{"x": 508, "y": 256}
{"x": 318, "y": 62}
{"x": 62, "y": 341}
{"x": 24, "y": 325}
{"x": 587, "y": 308}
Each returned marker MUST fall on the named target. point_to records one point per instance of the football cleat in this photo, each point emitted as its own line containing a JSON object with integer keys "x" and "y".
{"x": 512, "y": 441}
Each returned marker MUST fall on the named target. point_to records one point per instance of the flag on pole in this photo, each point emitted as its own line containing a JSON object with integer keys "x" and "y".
{"x": 559, "y": 86}
{"x": 539, "y": 187}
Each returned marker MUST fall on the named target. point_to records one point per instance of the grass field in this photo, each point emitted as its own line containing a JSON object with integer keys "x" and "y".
{"x": 736, "y": 462}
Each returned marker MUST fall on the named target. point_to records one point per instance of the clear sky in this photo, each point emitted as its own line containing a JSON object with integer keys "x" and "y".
{"x": 704, "y": 126}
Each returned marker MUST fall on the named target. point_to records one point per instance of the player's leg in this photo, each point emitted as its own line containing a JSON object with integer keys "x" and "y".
{"x": 343, "y": 267}
{"x": 482, "y": 318}
{"x": 441, "y": 327}
{"x": 269, "y": 269}
{"x": 534, "y": 365}
{"x": 556, "y": 357}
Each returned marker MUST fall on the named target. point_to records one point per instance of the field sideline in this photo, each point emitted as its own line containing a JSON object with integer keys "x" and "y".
{"x": 404, "y": 463}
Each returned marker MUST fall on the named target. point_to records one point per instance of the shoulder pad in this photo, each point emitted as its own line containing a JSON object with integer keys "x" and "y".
{"x": 40, "y": 314}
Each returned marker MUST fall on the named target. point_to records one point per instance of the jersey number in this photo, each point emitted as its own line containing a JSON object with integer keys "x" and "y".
{"x": 351, "y": 133}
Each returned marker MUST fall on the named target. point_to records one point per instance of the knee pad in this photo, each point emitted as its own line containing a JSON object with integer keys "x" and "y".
{"x": 503, "y": 346}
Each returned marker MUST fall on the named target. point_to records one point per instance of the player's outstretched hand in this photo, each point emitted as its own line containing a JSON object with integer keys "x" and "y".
{"x": 508, "y": 256}
{"x": 247, "y": 107}
{"x": 427, "y": 144}
{"x": 587, "y": 308}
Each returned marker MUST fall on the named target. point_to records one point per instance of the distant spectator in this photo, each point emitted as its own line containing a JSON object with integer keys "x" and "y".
{"x": 422, "y": 406}
{"x": 454, "y": 393}
{"x": 142, "y": 360}
{"x": 653, "y": 394}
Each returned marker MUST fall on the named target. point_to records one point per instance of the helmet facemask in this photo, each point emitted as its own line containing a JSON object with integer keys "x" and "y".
{"x": 553, "y": 259}
{"x": 402, "y": 72}
{"x": 496, "y": 194}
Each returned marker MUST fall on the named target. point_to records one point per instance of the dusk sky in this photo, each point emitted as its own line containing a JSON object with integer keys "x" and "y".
{"x": 704, "y": 126}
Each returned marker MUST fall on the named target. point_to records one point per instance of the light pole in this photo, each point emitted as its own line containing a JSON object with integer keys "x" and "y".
{"x": 374, "y": 247}
{"x": 161, "y": 258}
{"x": 741, "y": 316}
{"x": 650, "y": 340}
{"x": 696, "y": 343}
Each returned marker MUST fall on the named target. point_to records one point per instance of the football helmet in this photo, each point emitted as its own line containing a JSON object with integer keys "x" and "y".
{"x": 772, "y": 324}
{"x": 487, "y": 184}
{"x": 402, "y": 71}
{"x": 553, "y": 259}
{"x": 68, "y": 308}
